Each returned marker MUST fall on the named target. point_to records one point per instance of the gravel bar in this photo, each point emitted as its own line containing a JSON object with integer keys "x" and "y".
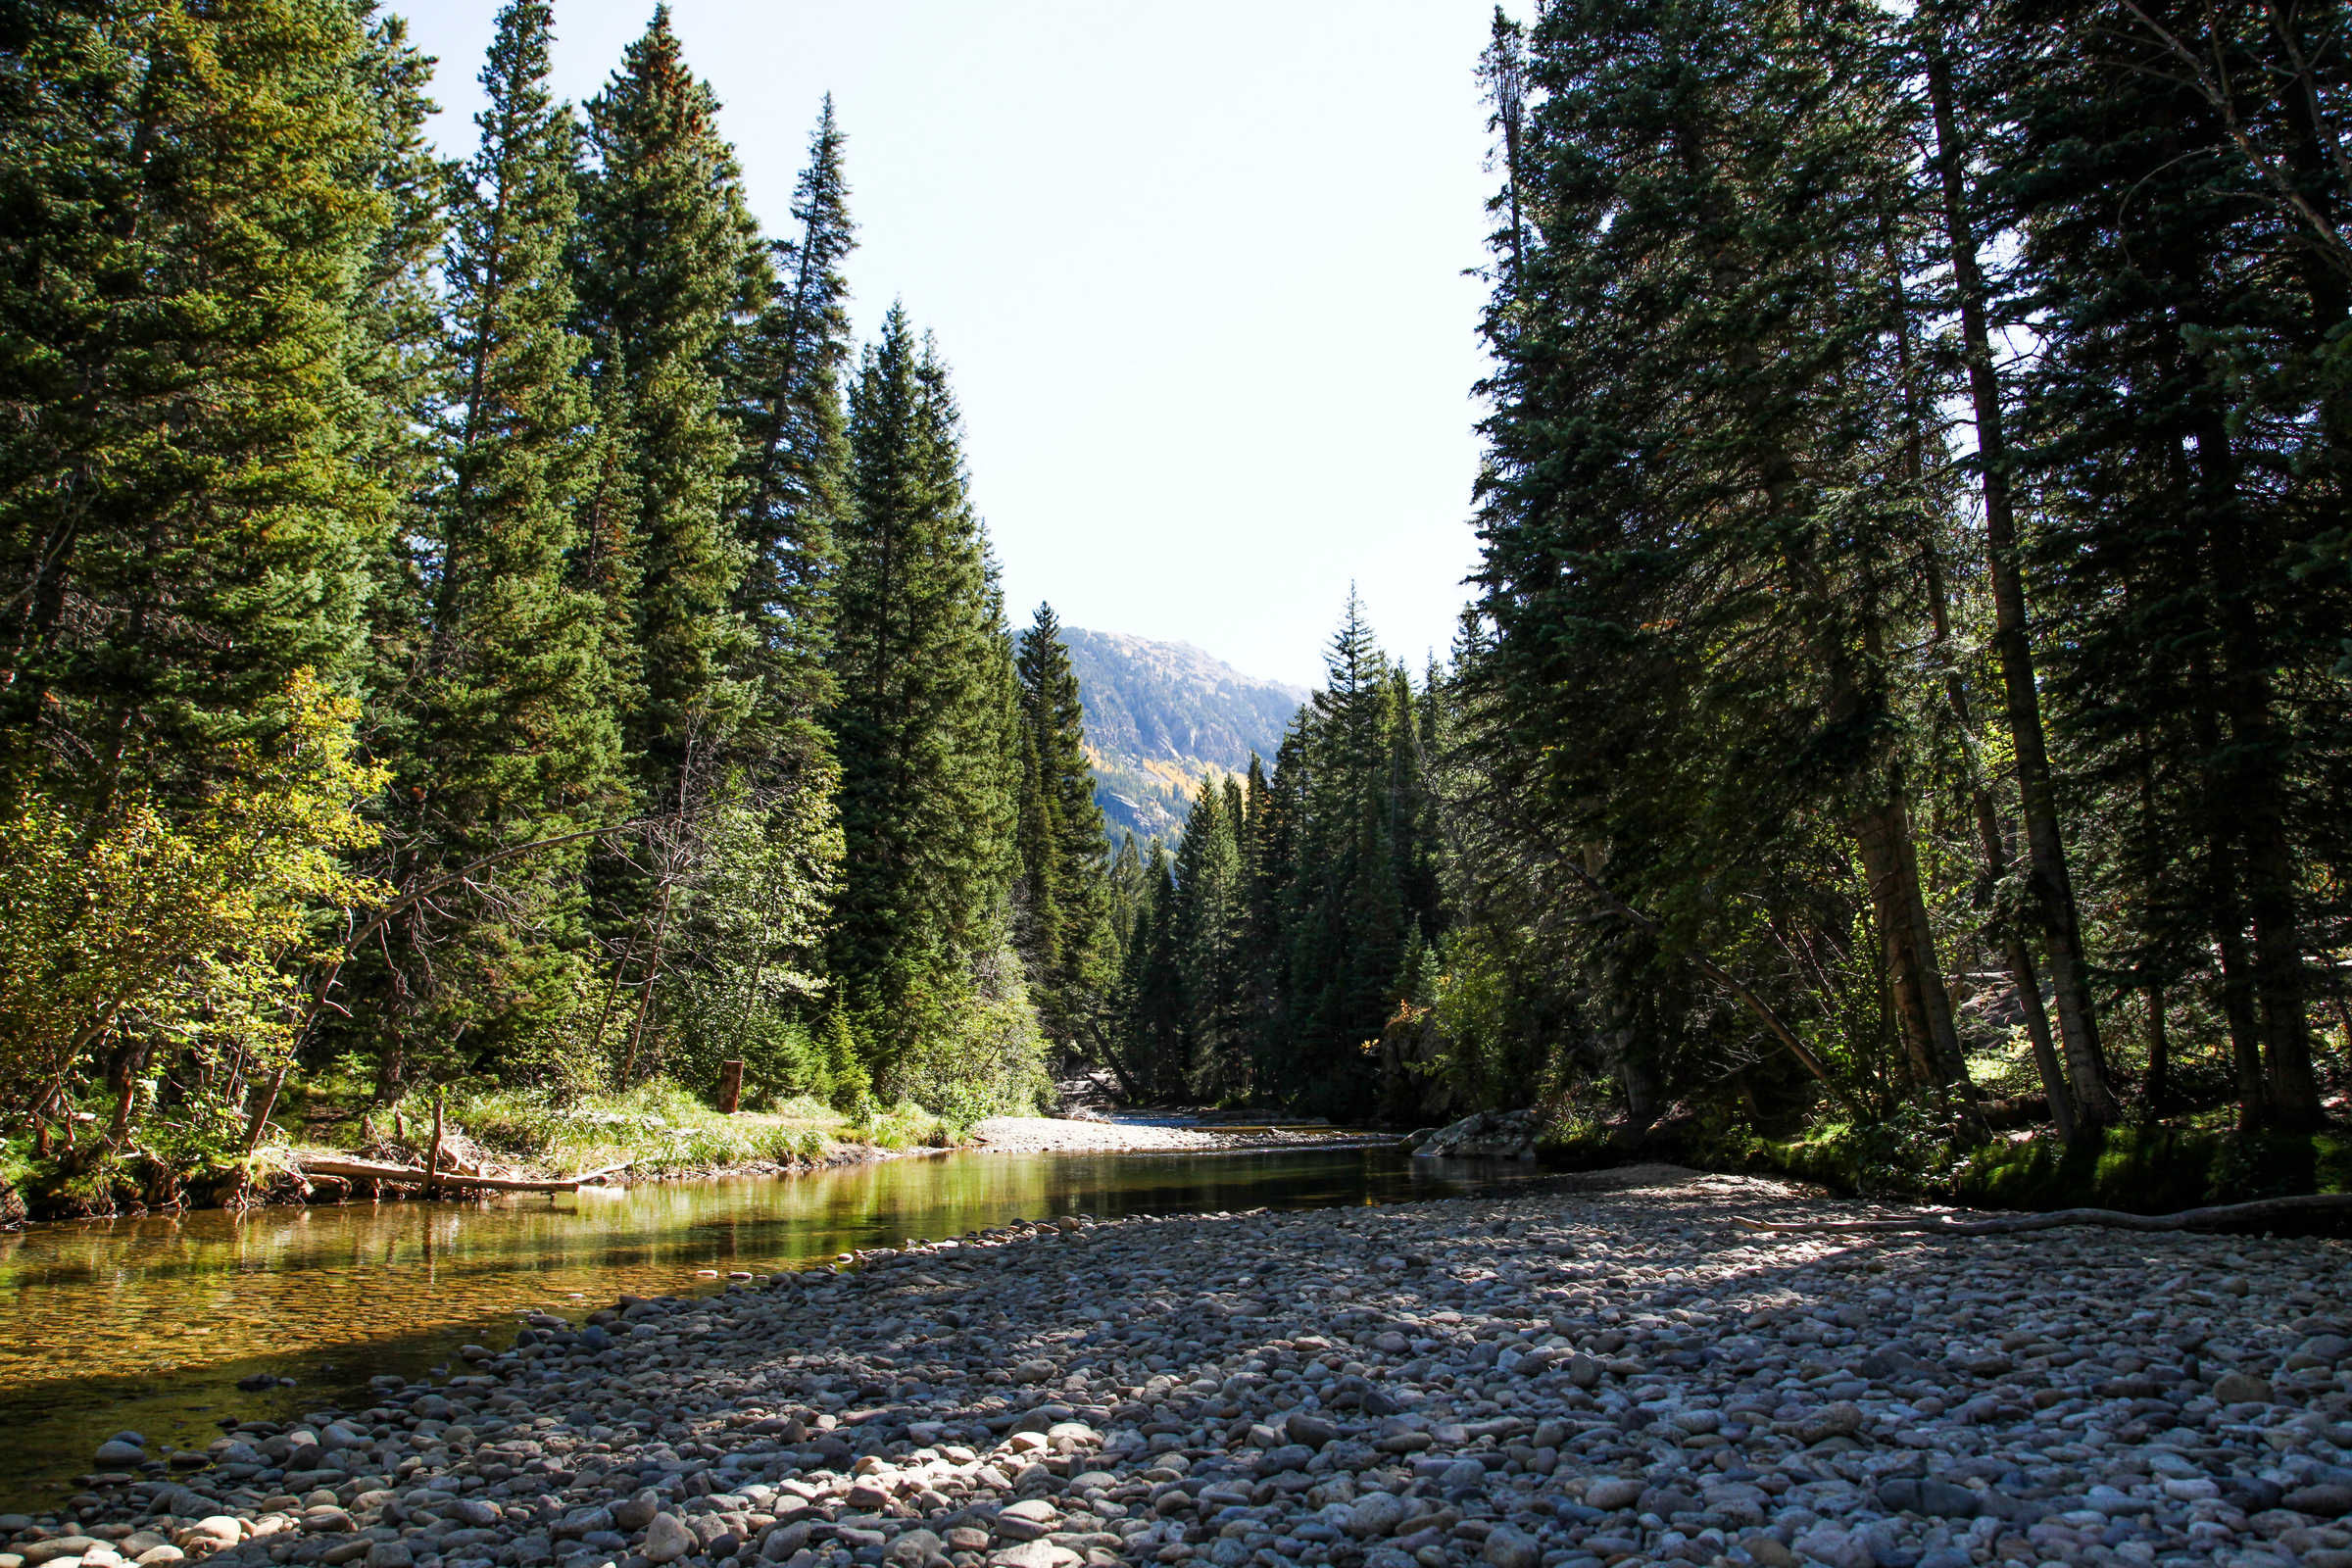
{"x": 1051, "y": 1135}
{"x": 1599, "y": 1374}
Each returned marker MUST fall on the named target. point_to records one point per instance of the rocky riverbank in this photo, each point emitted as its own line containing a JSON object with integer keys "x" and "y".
{"x": 1595, "y": 1375}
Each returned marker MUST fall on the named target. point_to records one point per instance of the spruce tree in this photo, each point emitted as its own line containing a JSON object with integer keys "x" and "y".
{"x": 1697, "y": 519}
{"x": 186, "y": 521}
{"x": 2186, "y": 492}
{"x": 666, "y": 269}
{"x": 784, "y": 390}
{"x": 924, "y": 714}
{"x": 399, "y": 372}
{"x": 515, "y": 739}
{"x": 1155, "y": 1043}
{"x": 1208, "y": 926}
{"x": 1069, "y": 946}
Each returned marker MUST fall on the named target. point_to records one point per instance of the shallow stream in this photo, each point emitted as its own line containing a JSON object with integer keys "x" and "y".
{"x": 148, "y": 1324}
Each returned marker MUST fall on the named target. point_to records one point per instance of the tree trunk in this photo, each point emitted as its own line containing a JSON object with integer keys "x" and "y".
{"x": 2051, "y": 886}
{"x": 2292, "y": 1088}
{"x": 2255, "y": 788}
{"x": 1922, "y": 1011}
{"x": 2237, "y": 980}
{"x": 645, "y": 997}
{"x": 2160, "y": 1052}
{"x": 432, "y": 1153}
{"x": 2024, "y": 982}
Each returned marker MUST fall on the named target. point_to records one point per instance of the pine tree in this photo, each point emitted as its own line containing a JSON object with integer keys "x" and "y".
{"x": 665, "y": 268}
{"x": 514, "y": 740}
{"x": 2177, "y": 423}
{"x": 399, "y": 372}
{"x": 1211, "y": 907}
{"x": 925, "y": 713}
{"x": 792, "y": 471}
{"x": 1698, "y": 516}
{"x": 185, "y": 516}
{"x": 1069, "y": 946}
{"x": 1152, "y": 1030}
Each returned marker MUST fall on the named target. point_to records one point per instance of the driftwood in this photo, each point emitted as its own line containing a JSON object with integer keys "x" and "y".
{"x": 2187, "y": 1219}
{"x": 370, "y": 1170}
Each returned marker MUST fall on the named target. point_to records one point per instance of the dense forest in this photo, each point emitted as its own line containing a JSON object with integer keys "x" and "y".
{"x": 489, "y": 622}
{"x": 483, "y": 621}
{"x": 1908, "y": 676}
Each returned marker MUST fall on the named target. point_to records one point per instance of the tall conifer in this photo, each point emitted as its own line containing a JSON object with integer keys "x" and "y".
{"x": 185, "y": 509}
{"x": 666, "y": 266}
{"x": 924, "y": 713}
{"x": 1063, "y": 851}
{"x": 792, "y": 471}
{"x": 514, "y": 737}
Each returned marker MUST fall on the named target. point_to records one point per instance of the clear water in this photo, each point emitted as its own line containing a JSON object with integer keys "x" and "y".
{"x": 148, "y": 1324}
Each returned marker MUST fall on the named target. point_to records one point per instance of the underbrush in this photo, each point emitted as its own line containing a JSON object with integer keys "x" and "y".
{"x": 1920, "y": 1154}
{"x": 654, "y": 1129}
{"x": 2155, "y": 1170}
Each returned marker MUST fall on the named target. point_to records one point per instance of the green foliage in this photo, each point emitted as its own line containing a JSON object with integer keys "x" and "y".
{"x": 1061, "y": 900}
{"x": 185, "y": 503}
{"x": 658, "y": 1127}
{"x": 927, "y": 725}
{"x": 502, "y": 732}
{"x": 543, "y": 460}
{"x": 2156, "y": 1170}
{"x": 784, "y": 394}
{"x": 666, "y": 269}
{"x": 170, "y": 927}
{"x": 1266, "y": 962}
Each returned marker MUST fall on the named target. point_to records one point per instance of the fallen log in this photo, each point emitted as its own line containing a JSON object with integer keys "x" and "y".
{"x": 416, "y": 1176}
{"x": 2187, "y": 1219}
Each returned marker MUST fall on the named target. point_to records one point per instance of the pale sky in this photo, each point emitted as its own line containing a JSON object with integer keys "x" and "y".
{"x": 1197, "y": 269}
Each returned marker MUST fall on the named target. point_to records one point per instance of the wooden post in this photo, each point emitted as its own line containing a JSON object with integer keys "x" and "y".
{"x": 432, "y": 1156}
{"x": 731, "y": 1086}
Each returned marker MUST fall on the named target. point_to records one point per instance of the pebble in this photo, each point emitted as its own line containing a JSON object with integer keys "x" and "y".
{"x": 667, "y": 1538}
{"x": 1600, "y": 1371}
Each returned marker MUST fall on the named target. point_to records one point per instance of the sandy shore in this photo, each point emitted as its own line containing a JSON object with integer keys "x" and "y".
{"x": 1037, "y": 1135}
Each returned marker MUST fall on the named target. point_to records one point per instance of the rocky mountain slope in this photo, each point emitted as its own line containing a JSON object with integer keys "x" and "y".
{"x": 1162, "y": 716}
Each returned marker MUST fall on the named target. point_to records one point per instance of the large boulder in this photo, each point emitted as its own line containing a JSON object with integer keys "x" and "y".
{"x": 1486, "y": 1135}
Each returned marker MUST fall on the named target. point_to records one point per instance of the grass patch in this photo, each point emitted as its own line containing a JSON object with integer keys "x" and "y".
{"x": 657, "y": 1128}
{"x": 2155, "y": 1170}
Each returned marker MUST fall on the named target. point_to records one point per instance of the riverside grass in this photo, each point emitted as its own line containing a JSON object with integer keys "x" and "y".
{"x": 658, "y": 1129}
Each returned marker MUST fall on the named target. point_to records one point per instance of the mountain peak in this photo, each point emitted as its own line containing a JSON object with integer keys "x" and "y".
{"x": 1161, "y": 718}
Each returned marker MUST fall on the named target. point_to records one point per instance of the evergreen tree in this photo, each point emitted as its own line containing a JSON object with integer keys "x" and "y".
{"x": 185, "y": 516}
{"x": 1152, "y": 1030}
{"x": 1208, "y": 925}
{"x": 665, "y": 268}
{"x": 514, "y": 741}
{"x": 1698, "y": 518}
{"x": 399, "y": 372}
{"x": 1068, "y": 944}
{"x": 785, "y": 396}
{"x": 925, "y": 713}
{"x": 2183, "y": 489}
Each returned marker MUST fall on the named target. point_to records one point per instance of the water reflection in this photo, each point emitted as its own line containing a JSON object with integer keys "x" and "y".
{"x": 148, "y": 1323}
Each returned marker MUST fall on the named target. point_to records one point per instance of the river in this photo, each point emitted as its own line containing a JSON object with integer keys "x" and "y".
{"x": 149, "y": 1324}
